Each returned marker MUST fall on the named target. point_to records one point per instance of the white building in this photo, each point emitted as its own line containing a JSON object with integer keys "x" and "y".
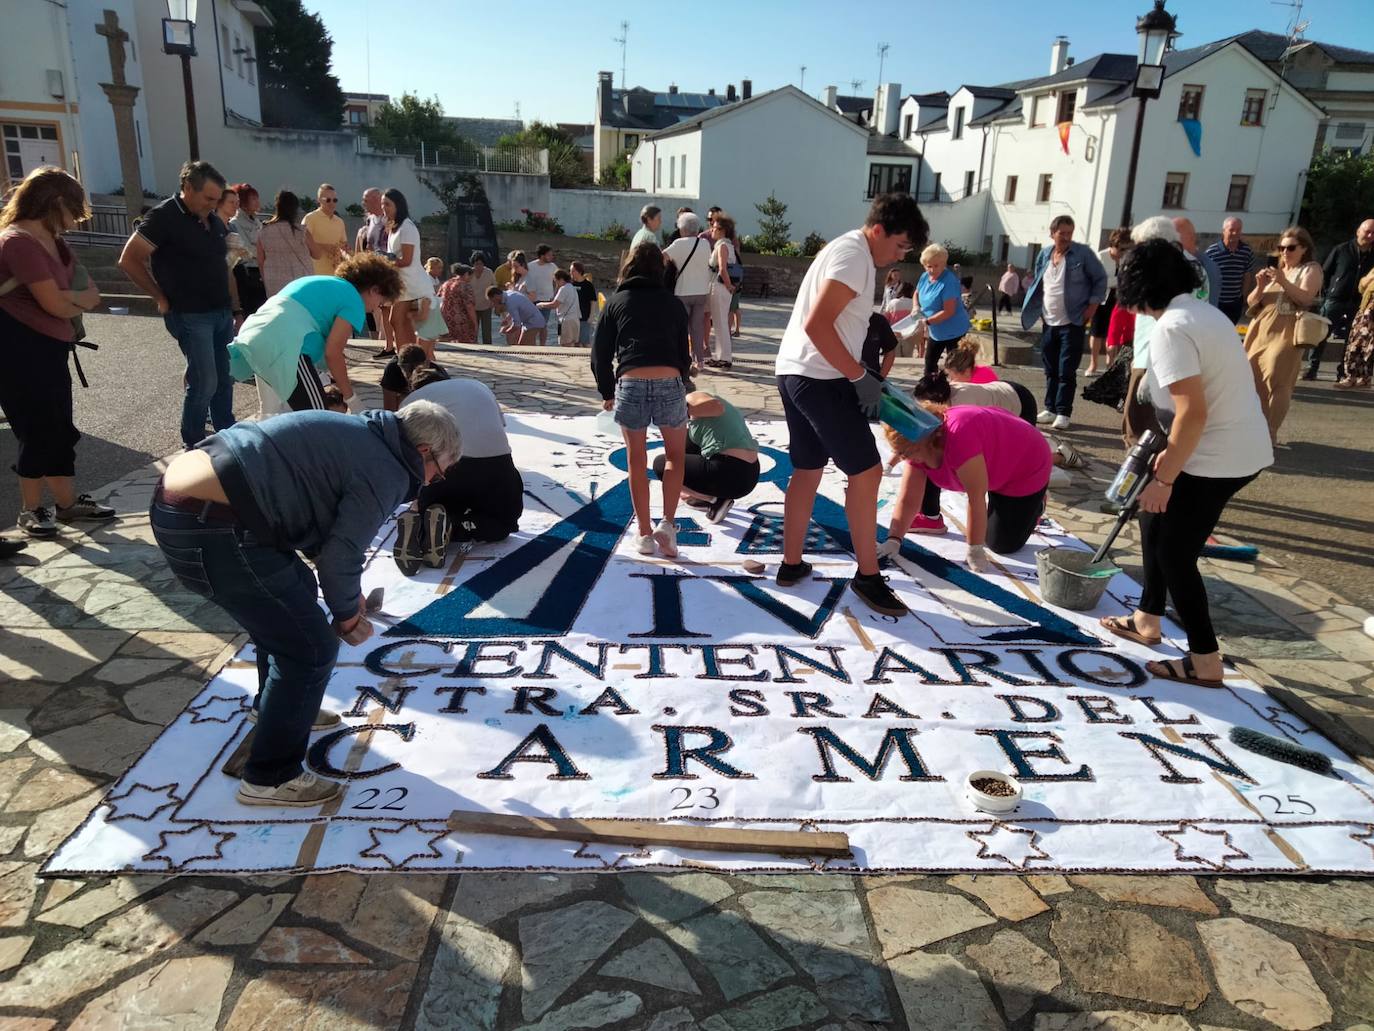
{"x": 781, "y": 142}
{"x": 52, "y": 109}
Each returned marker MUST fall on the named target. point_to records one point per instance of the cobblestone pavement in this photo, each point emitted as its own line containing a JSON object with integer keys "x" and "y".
{"x": 100, "y": 649}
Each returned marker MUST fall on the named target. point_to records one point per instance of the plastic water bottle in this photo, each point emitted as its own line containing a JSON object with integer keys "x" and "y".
{"x": 1135, "y": 471}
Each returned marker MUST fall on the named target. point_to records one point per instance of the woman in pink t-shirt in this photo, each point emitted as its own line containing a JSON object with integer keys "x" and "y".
{"x": 1001, "y": 462}
{"x": 961, "y": 366}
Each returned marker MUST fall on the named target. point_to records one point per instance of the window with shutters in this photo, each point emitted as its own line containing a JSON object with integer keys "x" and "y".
{"x": 1253, "y": 111}
{"x": 1010, "y": 196}
{"x": 1068, "y": 100}
{"x": 1175, "y": 186}
{"x": 1190, "y": 103}
{"x": 1238, "y": 194}
{"x": 1042, "y": 196}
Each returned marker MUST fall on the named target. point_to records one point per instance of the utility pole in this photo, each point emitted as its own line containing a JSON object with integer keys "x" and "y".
{"x": 883, "y": 48}
{"x": 803, "y": 78}
{"x": 621, "y": 39}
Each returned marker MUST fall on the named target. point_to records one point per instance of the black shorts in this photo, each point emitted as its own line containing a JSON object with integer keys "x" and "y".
{"x": 824, "y": 423}
{"x": 1102, "y": 318}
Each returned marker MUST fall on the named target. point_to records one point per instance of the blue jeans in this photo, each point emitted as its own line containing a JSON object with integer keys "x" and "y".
{"x": 271, "y": 593}
{"x": 203, "y": 337}
{"x": 1061, "y": 349}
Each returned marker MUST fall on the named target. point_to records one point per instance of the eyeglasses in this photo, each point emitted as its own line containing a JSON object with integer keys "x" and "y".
{"x": 330, "y": 200}
{"x": 1289, "y": 246}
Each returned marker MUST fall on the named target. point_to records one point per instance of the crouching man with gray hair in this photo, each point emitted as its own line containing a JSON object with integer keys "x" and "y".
{"x": 231, "y": 515}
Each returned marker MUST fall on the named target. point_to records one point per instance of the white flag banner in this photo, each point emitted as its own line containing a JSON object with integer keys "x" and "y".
{"x": 559, "y": 673}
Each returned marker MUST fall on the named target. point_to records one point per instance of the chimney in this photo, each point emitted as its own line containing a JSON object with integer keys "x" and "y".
{"x": 603, "y": 94}
{"x": 746, "y": 88}
{"x": 887, "y": 108}
{"x": 730, "y": 92}
{"x": 711, "y": 92}
{"x": 828, "y": 98}
{"x": 1059, "y": 54}
{"x": 672, "y": 87}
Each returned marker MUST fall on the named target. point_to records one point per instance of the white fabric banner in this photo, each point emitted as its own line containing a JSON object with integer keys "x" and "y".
{"x": 559, "y": 673}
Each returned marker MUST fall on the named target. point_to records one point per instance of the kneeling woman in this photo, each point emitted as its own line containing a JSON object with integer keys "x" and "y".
{"x": 1001, "y": 462}
{"x": 1218, "y": 443}
{"x": 722, "y": 463}
{"x": 480, "y": 497}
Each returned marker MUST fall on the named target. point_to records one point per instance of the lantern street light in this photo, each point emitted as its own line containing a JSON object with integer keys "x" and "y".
{"x": 1154, "y": 31}
{"x": 179, "y": 39}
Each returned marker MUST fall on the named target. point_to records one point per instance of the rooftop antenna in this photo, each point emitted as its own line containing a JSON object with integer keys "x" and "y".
{"x": 621, "y": 39}
{"x": 517, "y": 110}
{"x": 854, "y": 85}
{"x": 1296, "y": 27}
{"x": 803, "y": 78}
{"x": 883, "y": 48}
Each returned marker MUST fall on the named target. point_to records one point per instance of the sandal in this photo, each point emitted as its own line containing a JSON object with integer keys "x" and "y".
{"x": 1124, "y": 626}
{"x": 1072, "y": 458}
{"x": 1181, "y": 670}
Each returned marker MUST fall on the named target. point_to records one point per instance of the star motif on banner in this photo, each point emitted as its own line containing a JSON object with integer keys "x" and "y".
{"x": 1213, "y": 849}
{"x": 217, "y": 709}
{"x": 406, "y": 842}
{"x": 142, "y": 802}
{"x": 1015, "y": 846}
{"x": 1281, "y": 717}
{"x": 601, "y": 853}
{"x": 178, "y": 848}
{"x": 1367, "y": 838}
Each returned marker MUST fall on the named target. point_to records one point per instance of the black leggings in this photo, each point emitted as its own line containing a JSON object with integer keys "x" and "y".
{"x": 309, "y": 392}
{"x": 720, "y": 476}
{"x": 36, "y": 397}
{"x": 252, "y": 293}
{"x": 937, "y": 349}
{"x": 930, "y": 501}
{"x": 1011, "y": 520}
{"x": 1172, "y": 540}
{"x": 484, "y": 498}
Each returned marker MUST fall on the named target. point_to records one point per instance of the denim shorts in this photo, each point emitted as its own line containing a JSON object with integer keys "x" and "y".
{"x": 639, "y": 402}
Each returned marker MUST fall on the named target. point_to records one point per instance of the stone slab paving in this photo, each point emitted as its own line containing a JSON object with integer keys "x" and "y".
{"x": 100, "y": 649}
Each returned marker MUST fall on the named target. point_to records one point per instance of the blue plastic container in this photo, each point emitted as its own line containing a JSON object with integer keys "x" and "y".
{"x": 904, "y": 415}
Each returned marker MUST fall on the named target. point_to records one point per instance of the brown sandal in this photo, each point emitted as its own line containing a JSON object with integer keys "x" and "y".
{"x": 1124, "y": 626}
{"x": 1181, "y": 670}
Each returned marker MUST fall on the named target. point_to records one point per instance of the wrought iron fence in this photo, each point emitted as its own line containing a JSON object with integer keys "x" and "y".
{"x": 108, "y": 225}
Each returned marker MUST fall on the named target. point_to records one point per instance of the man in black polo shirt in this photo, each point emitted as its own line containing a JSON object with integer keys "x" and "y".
{"x": 184, "y": 242}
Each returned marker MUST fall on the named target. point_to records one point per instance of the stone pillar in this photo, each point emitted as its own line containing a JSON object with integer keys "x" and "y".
{"x": 122, "y": 101}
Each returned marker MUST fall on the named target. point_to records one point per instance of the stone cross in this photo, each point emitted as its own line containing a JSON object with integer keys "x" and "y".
{"x": 115, "y": 38}
{"x": 122, "y": 96}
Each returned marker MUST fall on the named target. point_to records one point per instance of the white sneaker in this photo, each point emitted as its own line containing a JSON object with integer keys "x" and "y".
{"x": 646, "y": 544}
{"x": 302, "y": 791}
{"x": 1061, "y": 422}
{"x": 1045, "y": 417}
{"x": 665, "y": 533}
{"x": 38, "y": 523}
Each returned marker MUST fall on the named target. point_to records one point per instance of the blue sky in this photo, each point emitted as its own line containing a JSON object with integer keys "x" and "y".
{"x": 546, "y": 56}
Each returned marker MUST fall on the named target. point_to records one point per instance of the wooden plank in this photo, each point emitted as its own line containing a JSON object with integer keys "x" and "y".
{"x": 647, "y": 832}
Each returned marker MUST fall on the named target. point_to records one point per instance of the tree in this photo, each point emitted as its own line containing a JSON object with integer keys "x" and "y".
{"x": 298, "y": 91}
{"x": 772, "y": 234}
{"x": 402, "y": 126}
{"x": 567, "y": 166}
{"x": 616, "y": 176}
{"x": 1339, "y": 194}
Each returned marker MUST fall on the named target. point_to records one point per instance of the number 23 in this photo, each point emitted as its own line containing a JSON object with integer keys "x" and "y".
{"x": 687, "y": 803}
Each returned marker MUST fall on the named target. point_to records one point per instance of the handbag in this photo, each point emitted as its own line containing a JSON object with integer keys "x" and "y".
{"x": 80, "y": 280}
{"x": 1311, "y": 330}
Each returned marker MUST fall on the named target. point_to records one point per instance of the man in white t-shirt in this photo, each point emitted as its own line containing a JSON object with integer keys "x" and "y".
{"x": 539, "y": 280}
{"x": 828, "y": 396}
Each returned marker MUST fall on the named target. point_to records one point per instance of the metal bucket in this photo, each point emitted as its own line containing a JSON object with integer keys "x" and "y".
{"x": 1071, "y": 579}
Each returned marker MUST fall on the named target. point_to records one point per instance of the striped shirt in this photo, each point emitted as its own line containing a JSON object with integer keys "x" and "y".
{"x": 1233, "y": 266}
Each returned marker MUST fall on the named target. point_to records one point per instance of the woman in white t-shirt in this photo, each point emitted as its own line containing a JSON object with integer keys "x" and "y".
{"x": 403, "y": 243}
{"x": 1218, "y": 443}
{"x": 722, "y": 289}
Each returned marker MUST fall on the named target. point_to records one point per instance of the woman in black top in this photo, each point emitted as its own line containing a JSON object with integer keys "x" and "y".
{"x": 640, "y": 358}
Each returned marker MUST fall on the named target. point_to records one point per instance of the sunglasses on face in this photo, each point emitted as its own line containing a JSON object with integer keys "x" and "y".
{"x": 1288, "y": 246}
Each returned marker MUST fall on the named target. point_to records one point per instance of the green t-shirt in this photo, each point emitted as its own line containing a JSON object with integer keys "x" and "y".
{"x": 721, "y": 432}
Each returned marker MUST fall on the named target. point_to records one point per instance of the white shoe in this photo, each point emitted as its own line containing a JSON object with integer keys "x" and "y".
{"x": 1045, "y": 417}
{"x": 1061, "y": 422}
{"x": 665, "y": 533}
{"x": 646, "y": 544}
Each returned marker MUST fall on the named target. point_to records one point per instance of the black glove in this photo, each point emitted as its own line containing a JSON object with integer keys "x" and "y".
{"x": 870, "y": 390}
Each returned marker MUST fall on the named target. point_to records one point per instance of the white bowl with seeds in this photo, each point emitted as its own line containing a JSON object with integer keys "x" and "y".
{"x": 993, "y": 792}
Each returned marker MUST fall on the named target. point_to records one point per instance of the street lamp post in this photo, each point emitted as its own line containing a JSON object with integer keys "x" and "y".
{"x": 179, "y": 39}
{"x": 1154, "y": 31}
